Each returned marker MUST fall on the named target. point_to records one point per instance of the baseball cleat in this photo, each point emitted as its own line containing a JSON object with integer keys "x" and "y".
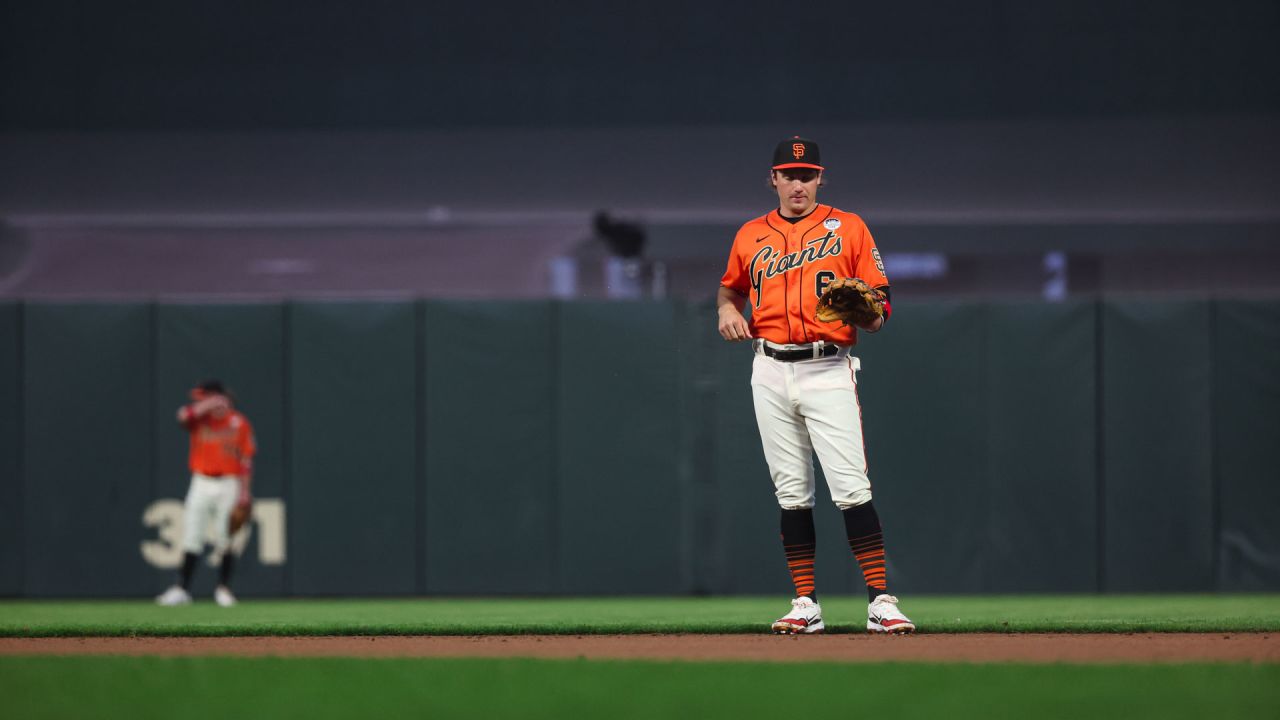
{"x": 222, "y": 595}
{"x": 174, "y": 596}
{"x": 805, "y": 618}
{"x": 883, "y": 616}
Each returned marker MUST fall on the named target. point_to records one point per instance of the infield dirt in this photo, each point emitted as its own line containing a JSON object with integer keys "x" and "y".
{"x": 1042, "y": 648}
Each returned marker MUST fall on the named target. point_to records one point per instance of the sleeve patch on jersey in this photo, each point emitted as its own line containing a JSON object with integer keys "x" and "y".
{"x": 875, "y": 255}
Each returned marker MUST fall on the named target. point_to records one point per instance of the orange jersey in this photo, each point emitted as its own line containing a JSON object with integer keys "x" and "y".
{"x": 783, "y": 268}
{"x": 221, "y": 445}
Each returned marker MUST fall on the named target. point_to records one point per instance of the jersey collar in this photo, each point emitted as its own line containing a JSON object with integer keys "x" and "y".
{"x": 819, "y": 213}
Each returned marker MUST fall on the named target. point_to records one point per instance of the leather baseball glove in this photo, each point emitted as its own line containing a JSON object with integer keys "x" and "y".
{"x": 851, "y": 301}
{"x": 239, "y": 516}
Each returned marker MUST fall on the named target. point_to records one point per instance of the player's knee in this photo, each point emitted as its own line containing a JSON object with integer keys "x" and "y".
{"x": 220, "y": 539}
{"x": 858, "y": 497}
{"x": 793, "y": 495}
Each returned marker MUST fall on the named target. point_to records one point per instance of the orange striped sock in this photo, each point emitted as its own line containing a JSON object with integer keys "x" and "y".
{"x": 869, "y": 551}
{"x": 800, "y": 563}
{"x": 862, "y": 526}
{"x": 799, "y": 541}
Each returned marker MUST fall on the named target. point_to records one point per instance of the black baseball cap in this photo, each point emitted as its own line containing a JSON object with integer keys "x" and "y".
{"x": 797, "y": 153}
{"x": 211, "y": 387}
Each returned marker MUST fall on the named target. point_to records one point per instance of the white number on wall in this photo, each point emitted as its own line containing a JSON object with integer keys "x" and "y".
{"x": 165, "y": 551}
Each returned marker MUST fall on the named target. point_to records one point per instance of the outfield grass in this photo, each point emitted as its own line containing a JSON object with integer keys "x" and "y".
{"x": 1023, "y": 613}
{"x": 195, "y": 688}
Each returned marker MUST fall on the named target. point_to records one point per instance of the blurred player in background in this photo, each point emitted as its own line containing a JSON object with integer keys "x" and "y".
{"x": 221, "y": 462}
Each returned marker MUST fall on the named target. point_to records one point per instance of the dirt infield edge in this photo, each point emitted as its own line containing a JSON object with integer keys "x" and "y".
{"x": 977, "y": 647}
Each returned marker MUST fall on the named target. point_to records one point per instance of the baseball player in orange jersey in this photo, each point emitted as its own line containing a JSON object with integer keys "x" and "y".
{"x": 221, "y": 462}
{"x": 804, "y": 377}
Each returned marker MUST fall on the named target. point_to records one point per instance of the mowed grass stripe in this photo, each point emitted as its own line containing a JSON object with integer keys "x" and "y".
{"x": 1071, "y": 613}
{"x": 312, "y": 688}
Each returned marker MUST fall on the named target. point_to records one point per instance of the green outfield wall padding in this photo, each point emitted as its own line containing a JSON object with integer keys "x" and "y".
{"x": 243, "y": 345}
{"x": 924, "y": 409}
{"x": 748, "y": 551}
{"x": 87, "y": 447}
{"x": 1246, "y": 415}
{"x": 489, "y": 398}
{"x": 619, "y": 496}
{"x": 695, "y": 398}
{"x": 1156, "y": 446}
{"x": 461, "y": 447}
{"x": 1041, "y": 495}
{"x": 11, "y": 510}
{"x": 353, "y": 446}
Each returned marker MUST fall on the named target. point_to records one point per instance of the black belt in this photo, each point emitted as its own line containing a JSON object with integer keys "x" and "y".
{"x": 802, "y": 353}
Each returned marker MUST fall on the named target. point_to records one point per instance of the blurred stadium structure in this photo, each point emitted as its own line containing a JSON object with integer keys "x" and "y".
{"x": 972, "y": 208}
{"x": 994, "y": 149}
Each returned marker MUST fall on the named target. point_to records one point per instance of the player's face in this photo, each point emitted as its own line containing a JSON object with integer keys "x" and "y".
{"x": 797, "y": 190}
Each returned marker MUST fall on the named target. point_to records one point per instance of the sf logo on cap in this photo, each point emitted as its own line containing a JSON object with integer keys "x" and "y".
{"x": 797, "y": 149}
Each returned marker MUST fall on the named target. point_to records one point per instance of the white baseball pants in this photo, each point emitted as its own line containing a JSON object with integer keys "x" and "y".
{"x": 812, "y": 406}
{"x": 209, "y": 499}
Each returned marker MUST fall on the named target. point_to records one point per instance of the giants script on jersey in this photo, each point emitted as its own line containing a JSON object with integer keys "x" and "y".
{"x": 770, "y": 263}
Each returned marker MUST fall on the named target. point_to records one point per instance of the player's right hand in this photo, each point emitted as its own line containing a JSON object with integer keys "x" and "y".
{"x": 733, "y": 326}
{"x": 212, "y": 403}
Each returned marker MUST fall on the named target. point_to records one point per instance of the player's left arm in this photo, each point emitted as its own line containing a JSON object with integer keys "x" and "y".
{"x": 871, "y": 269}
{"x": 875, "y": 325}
{"x": 247, "y": 447}
{"x": 246, "y": 483}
